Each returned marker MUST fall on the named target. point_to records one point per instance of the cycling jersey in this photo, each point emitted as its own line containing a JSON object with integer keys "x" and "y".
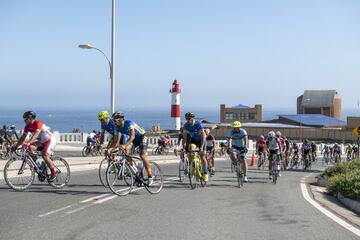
{"x": 273, "y": 143}
{"x": 38, "y": 126}
{"x": 260, "y": 145}
{"x": 194, "y": 130}
{"x": 129, "y": 125}
{"x": 238, "y": 138}
{"x": 110, "y": 127}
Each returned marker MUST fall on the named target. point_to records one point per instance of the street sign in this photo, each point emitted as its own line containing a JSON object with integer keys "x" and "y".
{"x": 356, "y": 131}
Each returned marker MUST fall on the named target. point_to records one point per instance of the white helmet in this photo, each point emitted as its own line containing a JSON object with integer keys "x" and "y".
{"x": 271, "y": 134}
{"x": 278, "y": 133}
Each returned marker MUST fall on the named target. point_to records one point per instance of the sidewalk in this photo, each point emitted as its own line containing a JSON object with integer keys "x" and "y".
{"x": 332, "y": 203}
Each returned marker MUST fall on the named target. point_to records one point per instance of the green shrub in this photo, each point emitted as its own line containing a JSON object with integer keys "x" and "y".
{"x": 348, "y": 184}
{"x": 341, "y": 168}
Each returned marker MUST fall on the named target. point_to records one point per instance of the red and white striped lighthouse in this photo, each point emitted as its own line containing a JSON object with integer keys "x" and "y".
{"x": 175, "y": 103}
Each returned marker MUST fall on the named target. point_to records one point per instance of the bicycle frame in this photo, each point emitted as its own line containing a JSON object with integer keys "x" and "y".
{"x": 26, "y": 156}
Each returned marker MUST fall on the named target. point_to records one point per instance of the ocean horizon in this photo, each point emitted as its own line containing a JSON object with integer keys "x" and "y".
{"x": 85, "y": 120}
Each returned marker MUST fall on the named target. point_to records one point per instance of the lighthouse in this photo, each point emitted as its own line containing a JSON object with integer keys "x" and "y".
{"x": 175, "y": 103}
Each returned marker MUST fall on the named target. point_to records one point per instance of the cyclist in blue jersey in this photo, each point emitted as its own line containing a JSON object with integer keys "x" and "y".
{"x": 238, "y": 140}
{"x": 108, "y": 125}
{"x": 136, "y": 137}
{"x": 194, "y": 134}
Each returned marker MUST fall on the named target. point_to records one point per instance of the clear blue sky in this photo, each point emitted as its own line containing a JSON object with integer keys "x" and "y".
{"x": 227, "y": 51}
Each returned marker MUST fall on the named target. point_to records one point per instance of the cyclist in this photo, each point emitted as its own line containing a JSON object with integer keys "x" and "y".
{"x": 42, "y": 140}
{"x": 108, "y": 125}
{"x": 283, "y": 146}
{"x": 210, "y": 148}
{"x": 274, "y": 148}
{"x": 355, "y": 150}
{"x": 194, "y": 134}
{"x": 13, "y": 136}
{"x": 313, "y": 151}
{"x": 287, "y": 151}
{"x": 261, "y": 147}
{"x": 325, "y": 151}
{"x": 238, "y": 140}
{"x": 4, "y": 137}
{"x": 306, "y": 150}
{"x": 91, "y": 138}
{"x": 136, "y": 138}
{"x": 349, "y": 150}
{"x": 337, "y": 152}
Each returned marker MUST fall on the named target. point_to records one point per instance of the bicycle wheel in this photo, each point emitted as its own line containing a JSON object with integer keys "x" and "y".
{"x": 193, "y": 175}
{"x": 158, "y": 178}
{"x": 239, "y": 175}
{"x": 183, "y": 169}
{"x": 19, "y": 174}
{"x": 102, "y": 171}
{"x": 119, "y": 178}
{"x": 260, "y": 162}
{"x": 85, "y": 151}
{"x": 93, "y": 151}
{"x": 155, "y": 151}
{"x": 275, "y": 172}
{"x": 63, "y": 173}
{"x": 166, "y": 151}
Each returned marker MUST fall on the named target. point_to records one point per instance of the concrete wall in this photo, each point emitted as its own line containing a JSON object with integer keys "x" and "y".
{"x": 294, "y": 133}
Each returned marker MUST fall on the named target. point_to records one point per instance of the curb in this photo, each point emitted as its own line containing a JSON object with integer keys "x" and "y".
{"x": 349, "y": 203}
{"x": 352, "y": 205}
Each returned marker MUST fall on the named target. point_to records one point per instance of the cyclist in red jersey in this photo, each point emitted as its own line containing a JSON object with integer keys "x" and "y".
{"x": 42, "y": 140}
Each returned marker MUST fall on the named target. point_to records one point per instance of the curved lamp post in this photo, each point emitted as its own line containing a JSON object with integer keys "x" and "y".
{"x": 112, "y": 62}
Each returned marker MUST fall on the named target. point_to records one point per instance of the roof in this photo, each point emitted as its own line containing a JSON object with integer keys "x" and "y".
{"x": 261, "y": 125}
{"x": 318, "y": 98}
{"x": 240, "y": 106}
{"x": 318, "y": 120}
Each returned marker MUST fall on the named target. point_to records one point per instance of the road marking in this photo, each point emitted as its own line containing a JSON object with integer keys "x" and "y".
{"x": 58, "y": 210}
{"x": 329, "y": 214}
{"x": 95, "y": 200}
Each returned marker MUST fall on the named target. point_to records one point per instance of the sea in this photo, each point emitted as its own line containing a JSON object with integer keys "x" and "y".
{"x": 85, "y": 120}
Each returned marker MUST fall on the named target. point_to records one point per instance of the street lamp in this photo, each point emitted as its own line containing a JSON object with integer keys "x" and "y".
{"x": 112, "y": 62}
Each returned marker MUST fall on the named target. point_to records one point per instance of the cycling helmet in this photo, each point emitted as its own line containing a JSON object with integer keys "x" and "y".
{"x": 12, "y": 127}
{"x": 236, "y": 124}
{"x": 189, "y": 115}
{"x": 103, "y": 115}
{"x": 278, "y": 133}
{"x": 29, "y": 113}
{"x": 262, "y": 137}
{"x": 271, "y": 134}
{"x": 118, "y": 115}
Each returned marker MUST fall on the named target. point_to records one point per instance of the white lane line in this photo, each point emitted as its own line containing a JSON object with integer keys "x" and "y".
{"x": 95, "y": 200}
{"x": 329, "y": 214}
{"x": 58, "y": 210}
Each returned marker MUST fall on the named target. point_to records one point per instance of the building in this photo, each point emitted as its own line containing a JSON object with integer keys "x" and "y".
{"x": 240, "y": 113}
{"x": 310, "y": 120}
{"x": 325, "y": 102}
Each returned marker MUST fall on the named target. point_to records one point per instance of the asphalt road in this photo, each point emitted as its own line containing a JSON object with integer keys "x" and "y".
{"x": 87, "y": 210}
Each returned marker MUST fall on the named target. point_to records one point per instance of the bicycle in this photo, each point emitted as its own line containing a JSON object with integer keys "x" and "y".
{"x": 183, "y": 166}
{"x": 160, "y": 150}
{"x": 92, "y": 149}
{"x": 209, "y": 156}
{"x": 275, "y": 168}
{"x": 121, "y": 176}
{"x": 306, "y": 161}
{"x": 238, "y": 168}
{"x": 261, "y": 160}
{"x": 337, "y": 157}
{"x": 195, "y": 173}
{"x": 294, "y": 162}
{"x": 104, "y": 165}
{"x": 16, "y": 170}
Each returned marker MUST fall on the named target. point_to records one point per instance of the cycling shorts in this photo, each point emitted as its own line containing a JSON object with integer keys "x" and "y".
{"x": 141, "y": 142}
{"x": 47, "y": 147}
{"x": 241, "y": 149}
